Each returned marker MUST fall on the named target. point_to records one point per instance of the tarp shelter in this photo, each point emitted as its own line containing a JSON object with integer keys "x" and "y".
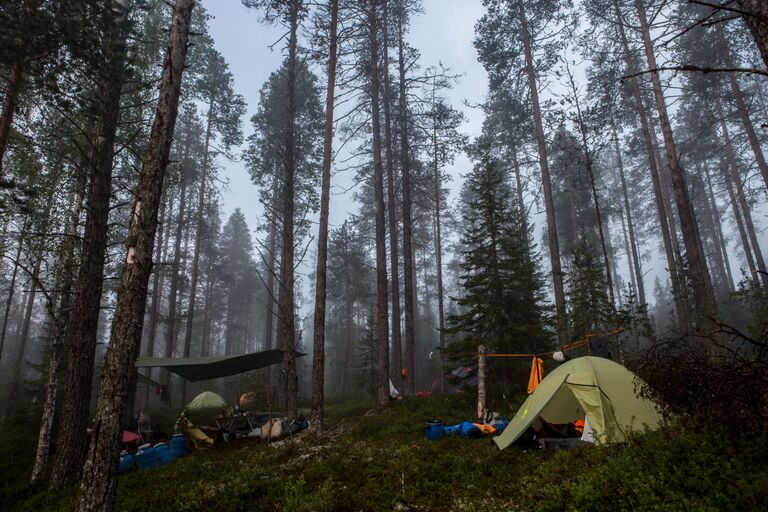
{"x": 194, "y": 369}
{"x": 599, "y": 389}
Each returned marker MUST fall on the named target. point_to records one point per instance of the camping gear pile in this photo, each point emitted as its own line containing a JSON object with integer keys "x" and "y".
{"x": 491, "y": 425}
{"x": 208, "y": 409}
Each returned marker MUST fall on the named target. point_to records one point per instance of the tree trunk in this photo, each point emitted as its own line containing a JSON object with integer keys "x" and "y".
{"x": 756, "y": 18}
{"x": 59, "y": 313}
{"x": 318, "y": 358}
{"x": 15, "y": 77}
{"x": 12, "y": 288}
{"x": 735, "y": 178}
{"x": 378, "y": 191}
{"x": 270, "y": 284}
{"x": 394, "y": 257}
{"x": 666, "y": 235}
{"x": 173, "y": 292}
{"x": 286, "y": 302}
{"x": 481, "y": 374}
{"x": 554, "y": 245}
{"x": 739, "y": 222}
{"x": 439, "y": 259}
{"x": 749, "y": 127}
{"x": 638, "y": 272}
{"x": 719, "y": 226}
{"x": 703, "y": 294}
{"x": 595, "y": 197}
{"x": 97, "y": 490}
{"x": 71, "y": 441}
{"x": 711, "y": 220}
{"x": 157, "y": 291}
{"x": 196, "y": 257}
{"x": 409, "y": 276}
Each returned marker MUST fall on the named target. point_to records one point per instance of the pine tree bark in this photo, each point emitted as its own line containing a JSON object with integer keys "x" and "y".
{"x": 198, "y": 237}
{"x": 318, "y": 357}
{"x": 71, "y": 441}
{"x": 382, "y": 334}
{"x": 269, "y": 311}
{"x": 735, "y": 178}
{"x": 549, "y": 205}
{"x": 409, "y": 276}
{"x": 703, "y": 294}
{"x": 97, "y": 490}
{"x": 394, "y": 247}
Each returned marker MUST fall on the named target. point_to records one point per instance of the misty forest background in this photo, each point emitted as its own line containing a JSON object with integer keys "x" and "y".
{"x": 618, "y": 181}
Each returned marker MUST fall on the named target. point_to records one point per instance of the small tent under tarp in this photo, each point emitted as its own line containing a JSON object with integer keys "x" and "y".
{"x": 204, "y": 407}
{"x": 599, "y": 389}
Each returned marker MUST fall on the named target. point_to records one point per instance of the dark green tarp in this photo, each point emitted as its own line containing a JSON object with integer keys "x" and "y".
{"x": 194, "y": 369}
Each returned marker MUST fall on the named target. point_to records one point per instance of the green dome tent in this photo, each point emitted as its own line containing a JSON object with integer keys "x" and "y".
{"x": 594, "y": 387}
{"x": 204, "y": 407}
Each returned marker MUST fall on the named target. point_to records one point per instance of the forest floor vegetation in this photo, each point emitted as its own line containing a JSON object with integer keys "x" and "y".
{"x": 378, "y": 459}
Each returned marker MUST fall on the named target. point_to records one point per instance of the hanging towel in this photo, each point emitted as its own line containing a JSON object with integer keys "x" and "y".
{"x": 537, "y": 373}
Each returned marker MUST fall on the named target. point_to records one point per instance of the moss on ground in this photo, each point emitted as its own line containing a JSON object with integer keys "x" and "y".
{"x": 373, "y": 459}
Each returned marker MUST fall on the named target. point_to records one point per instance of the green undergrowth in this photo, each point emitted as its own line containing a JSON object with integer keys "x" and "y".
{"x": 372, "y": 459}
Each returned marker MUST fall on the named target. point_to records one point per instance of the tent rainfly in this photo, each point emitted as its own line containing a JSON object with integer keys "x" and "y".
{"x": 195, "y": 369}
{"x": 593, "y": 387}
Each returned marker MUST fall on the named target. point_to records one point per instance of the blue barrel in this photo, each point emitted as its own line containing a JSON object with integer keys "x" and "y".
{"x": 126, "y": 463}
{"x": 164, "y": 455}
{"x": 146, "y": 457}
{"x": 434, "y": 429}
{"x": 179, "y": 445}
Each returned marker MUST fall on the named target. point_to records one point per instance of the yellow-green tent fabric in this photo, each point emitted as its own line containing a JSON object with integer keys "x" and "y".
{"x": 204, "y": 407}
{"x": 598, "y": 388}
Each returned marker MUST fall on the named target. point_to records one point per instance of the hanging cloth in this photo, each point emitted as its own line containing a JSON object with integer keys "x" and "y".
{"x": 537, "y": 373}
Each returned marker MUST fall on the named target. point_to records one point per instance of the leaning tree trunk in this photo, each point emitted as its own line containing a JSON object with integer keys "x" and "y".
{"x": 554, "y": 245}
{"x": 409, "y": 276}
{"x": 737, "y": 215}
{"x": 666, "y": 234}
{"x": 382, "y": 335}
{"x": 735, "y": 178}
{"x": 286, "y": 301}
{"x": 71, "y": 440}
{"x": 756, "y": 17}
{"x": 710, "y": 221}
{"x": 394, "y": 257}
{"x": 744, "y": 113}
{"x": 703, "y": 294}
{"x": 198, "y": 237}
{"x": 97, "y": 490}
